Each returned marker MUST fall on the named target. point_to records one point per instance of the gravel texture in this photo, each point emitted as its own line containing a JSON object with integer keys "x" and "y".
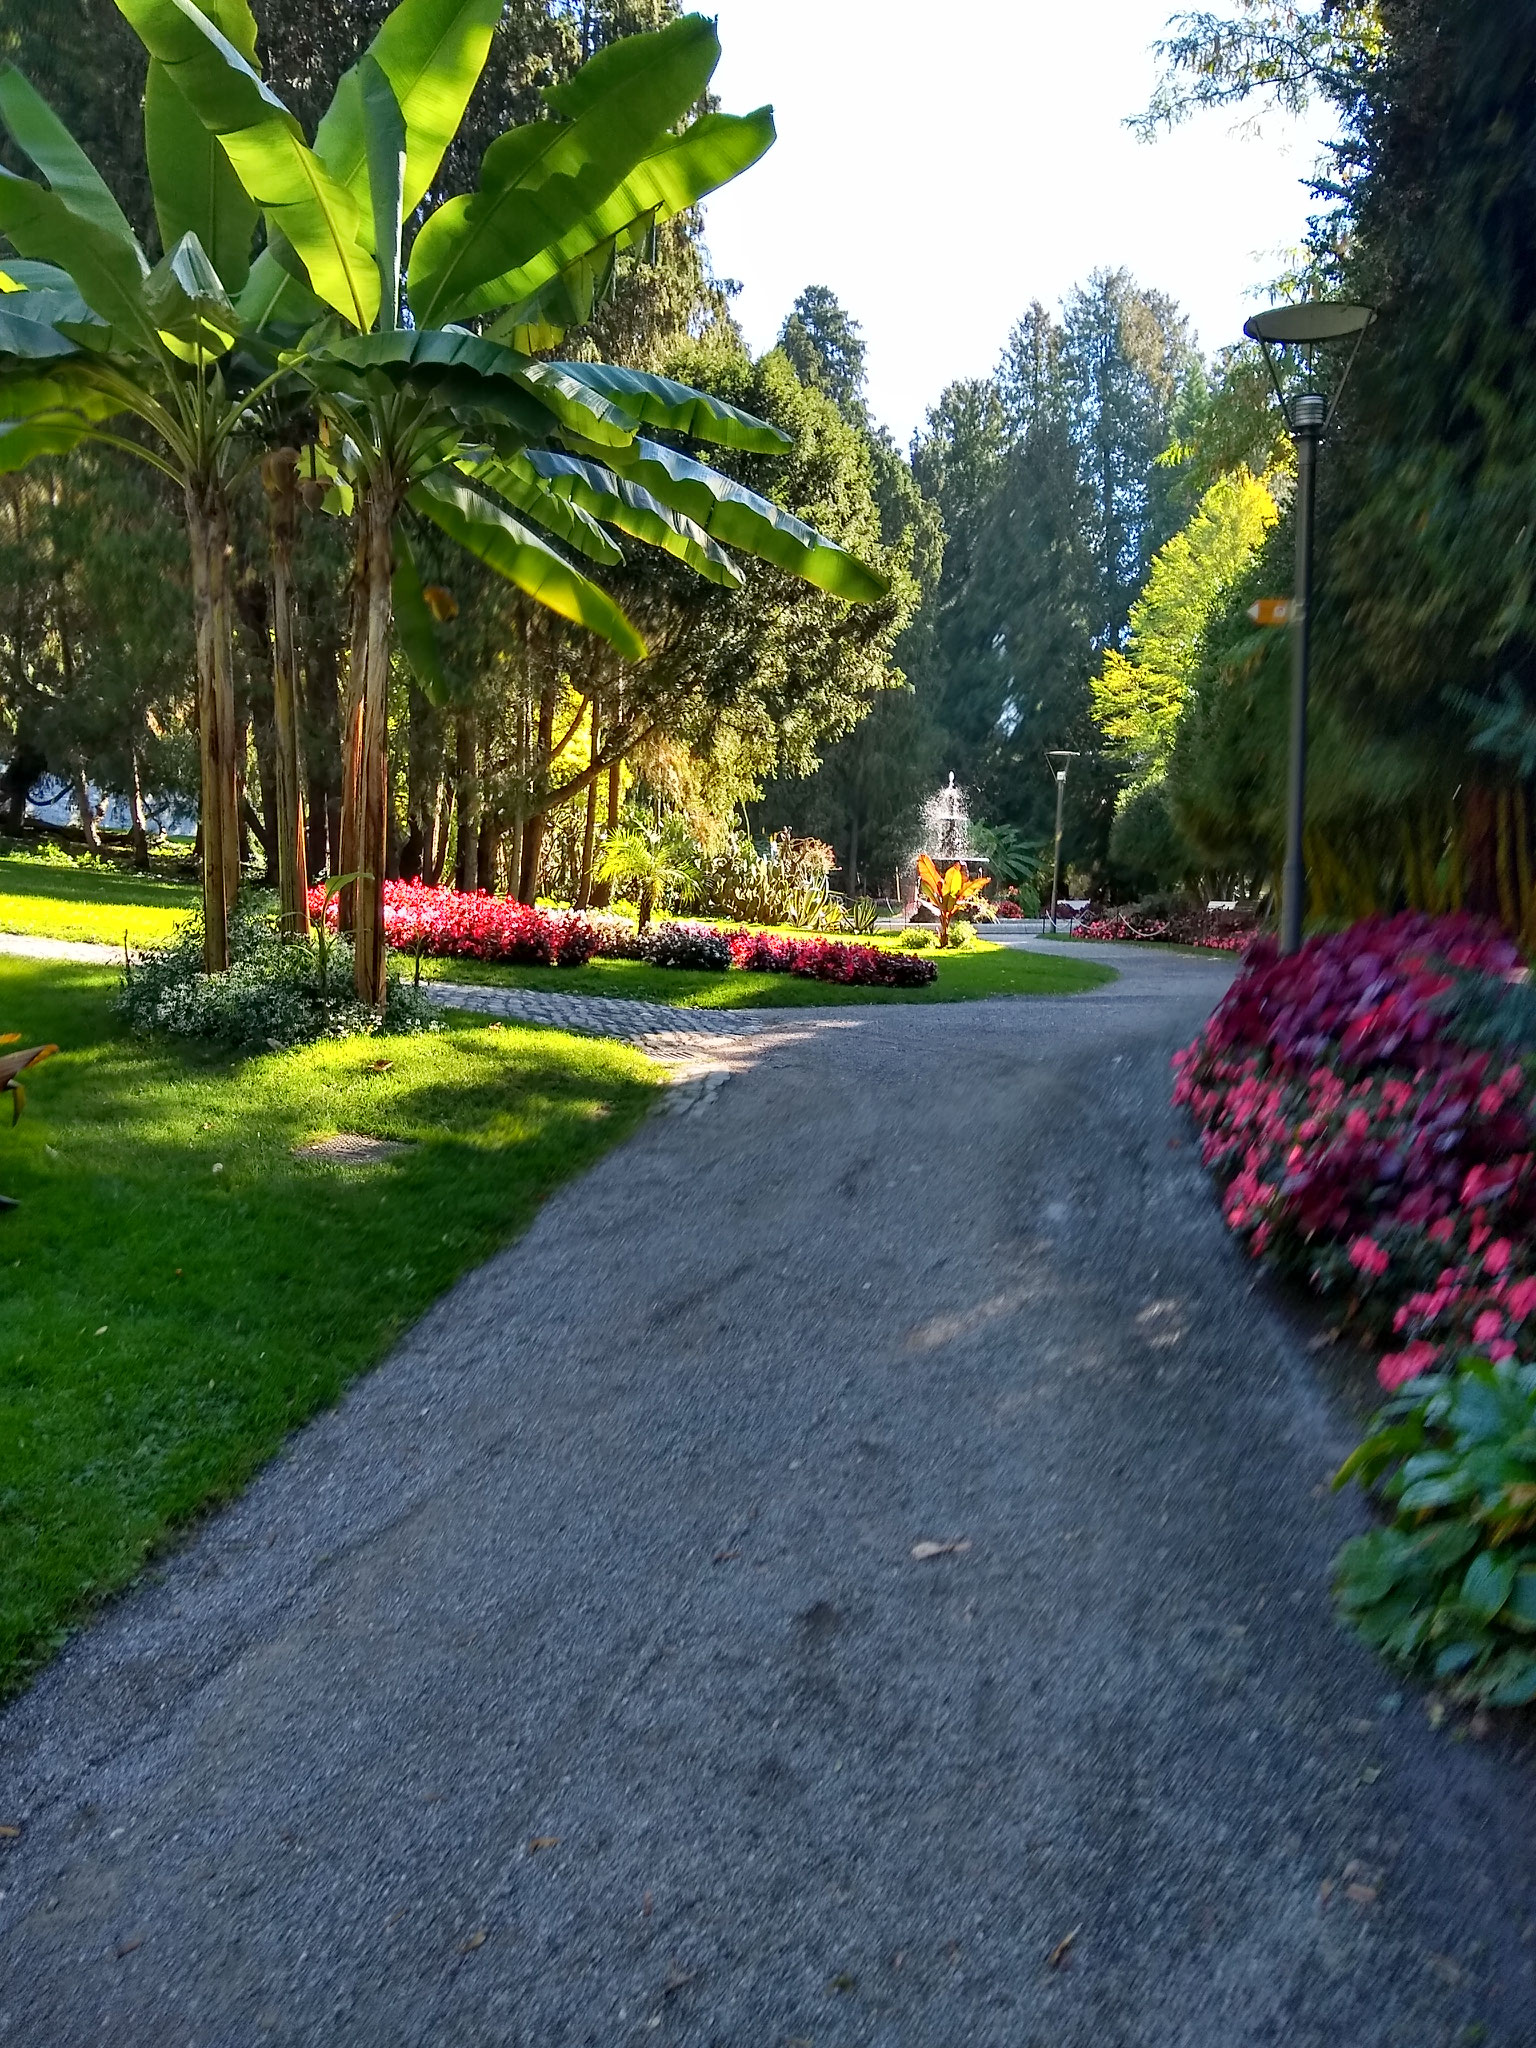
{"x": 575, "y": 1683}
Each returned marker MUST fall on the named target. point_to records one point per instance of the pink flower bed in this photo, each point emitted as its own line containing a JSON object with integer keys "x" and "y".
{"x": 448, "y": 924}
{"x": 1364, "y": 1143}
{"x": 1160, "y": 930}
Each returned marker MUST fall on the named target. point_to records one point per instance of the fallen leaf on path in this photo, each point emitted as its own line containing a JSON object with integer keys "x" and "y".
{"x": 647, "y": 1905}
{"x": 543, "y": 1842}
{"x": 725, "y": 1556}
{"x": 677, "y": 1980}
{"x": 843, "y": 1981}
{"x": 126, "y": 1948}
{"x": 1361, "y": 1894}
{"x": 476, "y": 1940}
{"x": 953, "y": 1548}
{"x": 8, "y": 1833}
{"x": 1062, "y": 1950}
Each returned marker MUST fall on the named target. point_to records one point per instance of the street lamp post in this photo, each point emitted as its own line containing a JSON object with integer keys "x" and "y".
{"x": 1305, "y": 328}
{"x": 1062, "y": 754}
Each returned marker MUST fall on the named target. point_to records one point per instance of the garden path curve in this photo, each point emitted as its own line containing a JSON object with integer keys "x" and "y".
{"x": 576, "y": 1682}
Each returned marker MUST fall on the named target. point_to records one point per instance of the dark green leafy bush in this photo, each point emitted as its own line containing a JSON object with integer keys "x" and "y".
{"x": 1448, "y": 1588}
{"x": 278, "y": 992}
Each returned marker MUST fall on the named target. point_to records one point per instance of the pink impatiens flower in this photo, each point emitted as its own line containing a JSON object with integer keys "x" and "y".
{"x": 1400, "y": 1366}
{"x": 1367, "y": 1256}
{"x": 1489, "y": 1325}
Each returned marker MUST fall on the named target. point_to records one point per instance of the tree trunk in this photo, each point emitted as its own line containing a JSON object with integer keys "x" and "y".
{"x": 602, "y": 895}
{"x": 218, "y": 808}
{"x": 136, "y": 823}
{"x": 352, "y": 709}
{"x": 534, "y": 832}
{"x": 589, "y": 830}
{"x": 852, "y": 876}
{"x": 285, "y": 823}
{"x": 467, "y": 803}
{"x": 365, "y": 791}
{"x": 264, "y": 744}
{"x": 84, "y": 807}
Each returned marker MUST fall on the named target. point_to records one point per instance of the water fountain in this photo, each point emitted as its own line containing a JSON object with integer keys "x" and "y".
{"x": 946, "y": 838}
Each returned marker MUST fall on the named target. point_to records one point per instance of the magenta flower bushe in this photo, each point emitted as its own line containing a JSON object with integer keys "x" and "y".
{"x": 1369, "y": 1142}
{"x": 448, "y": 924}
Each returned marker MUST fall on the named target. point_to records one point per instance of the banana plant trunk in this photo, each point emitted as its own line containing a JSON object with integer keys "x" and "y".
{"x": 366, "y": 792}
{"x": 279, "y": 475}
{"x": 219, "y": 811}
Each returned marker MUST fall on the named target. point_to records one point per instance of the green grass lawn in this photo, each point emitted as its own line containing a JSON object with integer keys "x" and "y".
{"x": 163, "y": 1325}
{"x": 52, "y": 900}
{"x": 988, "y": 971}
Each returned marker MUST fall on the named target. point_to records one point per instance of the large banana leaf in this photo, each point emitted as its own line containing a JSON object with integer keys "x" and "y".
{"x": 566, "y": 301}
{"x": 193, "y": 182}
{"x": 494, "y": 537}
{"x": 188, "y": 302}
{"x": 660, "y": 402}
{"x": 432, "y": 52}
{"x": 108, "y": 271}
{"x": 414, "y": 627}
{"x": 17, "y": 275}
{"x": 31, "y": 336}
{"x": 676, "y": 174}
{"x": 42, "y": 137}
{"x": 266, "y": 146}
{"x": 741, "y": 519}
{"x": 537, "y": 182}
{"x": 385, "y": 134}
{"x": 630, "y": 508}
{"x": 515, "y": 479}
{"x": 23, "y": 441}
{"x": 273, "y": 296}
{"x": 580, "y": 406}
{"x": 483, "y": 379}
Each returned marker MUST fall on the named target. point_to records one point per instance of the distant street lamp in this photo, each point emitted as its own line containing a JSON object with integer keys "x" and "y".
{"x": 1058, "y": 754}
{"x": 1304, "y": 328}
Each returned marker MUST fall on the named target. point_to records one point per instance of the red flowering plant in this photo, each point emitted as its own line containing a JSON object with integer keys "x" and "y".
{"x": 1369, "y": 1139}
{"x": 457, "y": 925}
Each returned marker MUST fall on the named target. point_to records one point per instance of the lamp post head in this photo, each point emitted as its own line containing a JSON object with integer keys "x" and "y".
{"x": 1305, "y": 328}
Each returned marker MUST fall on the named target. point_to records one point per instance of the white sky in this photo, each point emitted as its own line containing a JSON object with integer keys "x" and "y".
{"x": 941, "y": 165}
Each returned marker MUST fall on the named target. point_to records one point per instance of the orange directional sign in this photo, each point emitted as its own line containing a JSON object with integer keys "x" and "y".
{"x": 1271, "y": 611}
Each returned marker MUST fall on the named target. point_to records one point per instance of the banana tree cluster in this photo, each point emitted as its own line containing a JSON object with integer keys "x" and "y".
{"x": 948, "y": 890}
{"x": 386, "y": 355}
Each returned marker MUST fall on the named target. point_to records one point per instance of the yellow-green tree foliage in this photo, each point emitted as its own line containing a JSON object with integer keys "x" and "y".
{"x": 1139, "y": 694}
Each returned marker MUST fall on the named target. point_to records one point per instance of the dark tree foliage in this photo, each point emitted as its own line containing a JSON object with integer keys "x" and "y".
{"x": 1425, "y": 636}
{"x": 825, "y": 348}
{"x": 1054, "y": 499}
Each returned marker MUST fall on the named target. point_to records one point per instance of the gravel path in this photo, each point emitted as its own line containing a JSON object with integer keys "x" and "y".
{"x": 576, "y": 1683}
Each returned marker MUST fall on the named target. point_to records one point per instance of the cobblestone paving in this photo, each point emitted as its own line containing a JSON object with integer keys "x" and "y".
{"x": 603, "y": 1016}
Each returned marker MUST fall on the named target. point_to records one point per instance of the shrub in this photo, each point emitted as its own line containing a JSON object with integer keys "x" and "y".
{"x": 917, "y": 939}
{"x": 1170, "y": 921}
{"x": 276, "y": 992}
{"x": 1448, "y": 1588}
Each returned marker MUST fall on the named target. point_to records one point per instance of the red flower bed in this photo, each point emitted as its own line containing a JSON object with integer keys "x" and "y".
{"x": 448, "y": 924}
{"x": 1366, "y": 1142}
{"x": 455, "y": 925}
{"x": 831, "y": 960}
{"x": 1220, "y": 931}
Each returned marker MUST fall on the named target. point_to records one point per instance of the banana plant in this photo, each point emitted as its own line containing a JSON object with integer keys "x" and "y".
{"x": 90, "y": 332}
{"x": 466, "y": 429}
{"x": 948, "y": 891}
